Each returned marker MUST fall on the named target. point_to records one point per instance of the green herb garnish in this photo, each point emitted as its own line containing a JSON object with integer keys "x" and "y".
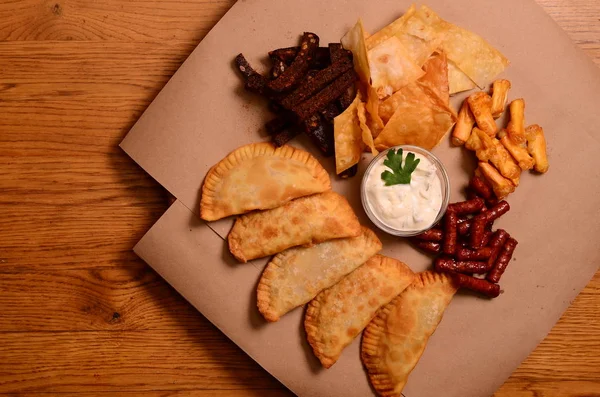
{"x": 400, "y": 175}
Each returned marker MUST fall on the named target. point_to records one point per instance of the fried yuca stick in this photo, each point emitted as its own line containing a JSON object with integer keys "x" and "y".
{"x": 499, "y": 97}
{"x": 501, "y": 186}
{"x": 464, "y": 125}
{"x": 474, "y": 143}
{"x": 480, "y": 104}
{"x": 493, "y": 151}
{"x": 536, "y": 146}
{"x": 516, "y": 125}
{"x": 518, "y": 152}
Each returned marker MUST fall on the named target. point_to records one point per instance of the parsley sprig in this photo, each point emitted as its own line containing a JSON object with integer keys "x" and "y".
{"x": 400, "y": 175}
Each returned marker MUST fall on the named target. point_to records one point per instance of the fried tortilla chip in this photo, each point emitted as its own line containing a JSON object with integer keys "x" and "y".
{"x": 435, "y": 79}
{"x": 396, "y": 338}
{"x": 436, "y": 76}
{"x": 367, "y": 135}
{"x": 354, "y": 41}
{"x": 373, "y": 110}
{"x": 260, "y": 176}
{"x": 421, "y": 119}
{"x": 457, "y": 80}
{"x": 297, "y": 275}
{"x": 419, "y": 39}
{"x": 474, "y": 56}
{"x": 388, "y": 107}
{"x": 348, "y": 137}
{"x": 338, "y": 314}
{"x": 391, "y": 67}
{"x": 303, "y": 221}
{"x": 390, "y": 30}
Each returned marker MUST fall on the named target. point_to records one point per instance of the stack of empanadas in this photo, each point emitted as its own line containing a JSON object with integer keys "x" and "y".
{"x": 325, "y": 258}
{"x": 292, "y": 189}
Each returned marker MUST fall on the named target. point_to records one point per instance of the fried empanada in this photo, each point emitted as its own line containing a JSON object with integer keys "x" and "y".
{"x": 303, "y": 221}
{"x": 260, "y": 176}
{"x": 297, "y": 275}
{"x": 338, "y": 314}
{"x": 394, "y": 341}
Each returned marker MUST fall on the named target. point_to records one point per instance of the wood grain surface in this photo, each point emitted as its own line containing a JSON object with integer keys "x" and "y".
{"x": 80, "y": 314}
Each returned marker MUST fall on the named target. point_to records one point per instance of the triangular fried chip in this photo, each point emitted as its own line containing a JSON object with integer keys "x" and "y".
{"x": 367, "y": 135}
{"x": 354, "y": 40}
{"x": 457, "y": 80}
{"x": 391, "y": 67}
{"x": 436, "y": 76}
{"x": 474, "y": 56}
{"x": 388, "y": 107}
{"x": 390, "y": 30}
{"x": 348, "y": 137}
{"x": 421, "y": 119}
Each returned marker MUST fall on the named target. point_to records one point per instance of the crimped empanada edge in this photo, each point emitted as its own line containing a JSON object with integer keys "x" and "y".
{"x": 264, "y": 297}
{"x": 380, "y": 379}
{"x": 208, "y": 211}
{"x": 311, "y": 319}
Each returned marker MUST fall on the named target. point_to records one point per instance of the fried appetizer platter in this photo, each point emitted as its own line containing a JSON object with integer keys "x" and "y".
{"x": 366, "y": 93}
{"x": 337, "y": 315}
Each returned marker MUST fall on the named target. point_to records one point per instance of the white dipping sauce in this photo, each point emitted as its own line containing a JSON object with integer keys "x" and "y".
{"x": 407, "y": 207}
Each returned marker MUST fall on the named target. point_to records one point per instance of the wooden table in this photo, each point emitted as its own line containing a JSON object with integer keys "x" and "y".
{"x": 79, "y": 312}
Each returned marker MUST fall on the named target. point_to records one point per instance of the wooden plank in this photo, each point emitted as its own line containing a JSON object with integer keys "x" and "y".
{"x": 579, "y": 18}
{"x": 96, "y": 235}
{"x": 174, "y": 393}
{"x": 75, "y": 75}
{"x": 114, "y": 298}
{"x": 115, "y": 20}
{"x": 175, "y": 359}
{"x": 537, "y": 388}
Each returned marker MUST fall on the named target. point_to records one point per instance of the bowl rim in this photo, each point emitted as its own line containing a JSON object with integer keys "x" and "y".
{"x": 445, "y": 180}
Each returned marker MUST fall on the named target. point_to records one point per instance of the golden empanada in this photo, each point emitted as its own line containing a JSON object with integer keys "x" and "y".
{"x": 338, "y": 314}
{"x": 396, "y": 338}
{"x": 260, "y": 176}
{"x": 297, "y": 275}
{"x": 303, "y": 221}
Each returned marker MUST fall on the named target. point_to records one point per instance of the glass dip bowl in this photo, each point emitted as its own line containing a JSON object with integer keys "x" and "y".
{"x": 430, "y": 166}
